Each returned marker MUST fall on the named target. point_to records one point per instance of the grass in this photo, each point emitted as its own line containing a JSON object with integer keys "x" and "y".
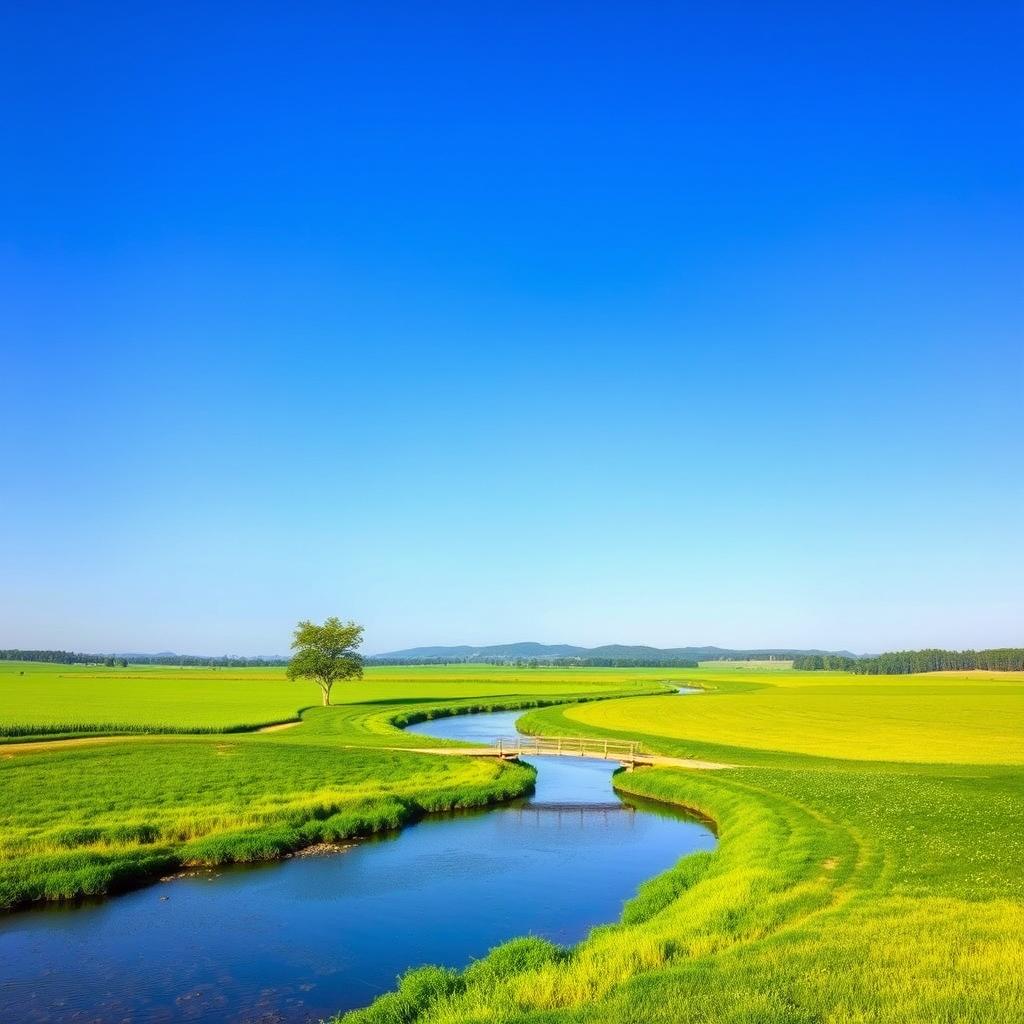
{"x": 926, "y": 718}
{"x": 43, "y": 700}
{"x": 871, "y": 835}
{"x": 868, "y": 868}
{"x": 136, "y": 808}
{"x": 87, "y": 819}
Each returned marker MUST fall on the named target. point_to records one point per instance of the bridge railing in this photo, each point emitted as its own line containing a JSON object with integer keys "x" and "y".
{"x": 580, "y": 746}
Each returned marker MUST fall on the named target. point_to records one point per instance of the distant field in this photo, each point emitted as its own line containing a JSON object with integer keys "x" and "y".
{"x": 54, "y": 697}
{"x": 40, "y": 698}
{"x": 927, "y": 718}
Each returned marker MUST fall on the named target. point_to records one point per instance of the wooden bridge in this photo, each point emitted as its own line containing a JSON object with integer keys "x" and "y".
{"x": 626, "y": 752}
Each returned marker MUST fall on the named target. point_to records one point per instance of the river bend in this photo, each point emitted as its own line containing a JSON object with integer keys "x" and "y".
{"x": 297, "y": 940}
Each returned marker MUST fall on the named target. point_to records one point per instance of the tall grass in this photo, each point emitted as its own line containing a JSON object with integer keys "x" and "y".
{"x": 138, "y": 809}
{"x": 19, "y": 732}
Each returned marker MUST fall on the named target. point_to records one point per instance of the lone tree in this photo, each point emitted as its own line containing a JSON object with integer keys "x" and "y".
{"x": 326, "y": 653}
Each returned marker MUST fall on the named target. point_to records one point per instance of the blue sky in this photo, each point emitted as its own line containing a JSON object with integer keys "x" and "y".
{"x": 478, "y": 323}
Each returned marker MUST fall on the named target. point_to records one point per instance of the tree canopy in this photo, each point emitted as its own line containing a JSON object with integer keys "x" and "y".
{"x": 1001, "y": 659}
{"x": 326, "y": 653}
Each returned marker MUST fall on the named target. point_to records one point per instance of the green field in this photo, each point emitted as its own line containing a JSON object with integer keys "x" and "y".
{"x": 98, "y": 812}
{"x": 871, "y": 831}
{"x": 39, "y": 699}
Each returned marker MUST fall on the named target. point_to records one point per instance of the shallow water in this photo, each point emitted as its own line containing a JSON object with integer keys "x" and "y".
{"x": 300, "y": 939}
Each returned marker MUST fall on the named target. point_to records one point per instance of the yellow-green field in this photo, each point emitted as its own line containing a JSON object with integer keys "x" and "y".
{"x": 947, "y": 718}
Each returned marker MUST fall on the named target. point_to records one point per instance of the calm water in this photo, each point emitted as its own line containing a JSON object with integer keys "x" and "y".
{"x": 298, "y": 940}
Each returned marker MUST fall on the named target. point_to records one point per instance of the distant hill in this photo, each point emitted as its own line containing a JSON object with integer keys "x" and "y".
{"x": 523, "y": 650}
{"x": 607, "y": 652}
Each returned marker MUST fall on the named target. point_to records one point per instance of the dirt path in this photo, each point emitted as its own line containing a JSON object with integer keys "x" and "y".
{"x": 9, "y": 750}
{"x": 34, "y": 746}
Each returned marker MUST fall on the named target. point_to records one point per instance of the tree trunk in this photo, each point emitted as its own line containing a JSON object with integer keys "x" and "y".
{"x": 326, "y": 690}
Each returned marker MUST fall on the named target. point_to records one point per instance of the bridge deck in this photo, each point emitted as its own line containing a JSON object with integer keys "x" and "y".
{"x": 567, "y": 746}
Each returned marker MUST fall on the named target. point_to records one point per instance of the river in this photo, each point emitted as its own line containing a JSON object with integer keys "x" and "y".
{"x": 297, "y": 940}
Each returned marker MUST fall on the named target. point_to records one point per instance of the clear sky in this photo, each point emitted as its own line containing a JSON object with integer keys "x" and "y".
{"x": 633, "y": 322}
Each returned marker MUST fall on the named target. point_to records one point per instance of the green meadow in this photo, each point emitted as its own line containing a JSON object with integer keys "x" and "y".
{"x": 871, "y": 828}
{"x": 109, "y": 777}
{"x": 39, "y": 699}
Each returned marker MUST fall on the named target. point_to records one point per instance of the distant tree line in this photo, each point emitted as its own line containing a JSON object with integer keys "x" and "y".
{"x": 198, "y": 661}
{"x": 830, "y": 662}
{"x": 752, "y": 656}
{"x": 192, "y": 660}
{"x": 57, "y": 657}
{"x": 424, "y": 661}
{"x": 1000, "y": 659}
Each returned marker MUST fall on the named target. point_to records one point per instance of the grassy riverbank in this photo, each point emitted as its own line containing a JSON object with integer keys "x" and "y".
{"x": 868, "y": 867}
{"x": 89, "y": 817}
{"x": 140, "y": 808}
